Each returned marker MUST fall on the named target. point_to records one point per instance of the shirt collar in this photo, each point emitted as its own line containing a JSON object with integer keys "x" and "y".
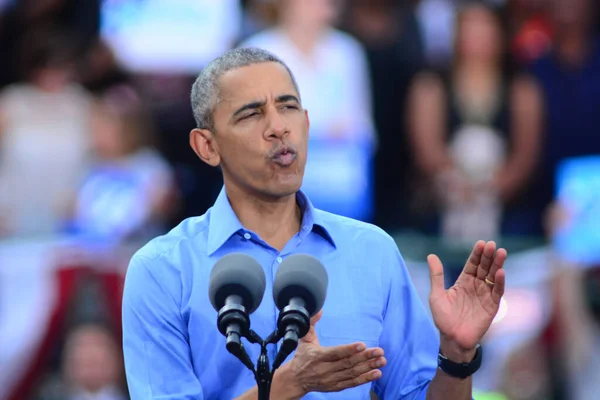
{"x": 224, "y": 223}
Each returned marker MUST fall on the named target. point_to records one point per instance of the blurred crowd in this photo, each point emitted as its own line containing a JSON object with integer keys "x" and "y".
{"x": 446, "y": 119}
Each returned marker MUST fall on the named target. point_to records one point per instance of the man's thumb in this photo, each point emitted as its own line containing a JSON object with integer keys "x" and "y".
{"x": 436, "y": 274}
{"x": 316, "y": 318}
{"x": 311, "y": 336}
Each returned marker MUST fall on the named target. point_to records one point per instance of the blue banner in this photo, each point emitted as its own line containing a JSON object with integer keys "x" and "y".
{"x": 338, "y": 177}
{"x": 578, "y": 193}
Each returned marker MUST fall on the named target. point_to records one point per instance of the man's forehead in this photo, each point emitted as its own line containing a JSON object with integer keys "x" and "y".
{"x": 256, "y": 81}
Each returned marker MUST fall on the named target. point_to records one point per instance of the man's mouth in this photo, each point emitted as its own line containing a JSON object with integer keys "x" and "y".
{"x": 284, "y": 156}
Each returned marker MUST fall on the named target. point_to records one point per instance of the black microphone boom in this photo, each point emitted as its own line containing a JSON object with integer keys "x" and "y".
{"x": 299, "y": 291}
{"x": 237, "y": 285}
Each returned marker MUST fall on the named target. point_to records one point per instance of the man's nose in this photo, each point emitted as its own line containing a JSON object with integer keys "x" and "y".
{"x": 277, "y": 126}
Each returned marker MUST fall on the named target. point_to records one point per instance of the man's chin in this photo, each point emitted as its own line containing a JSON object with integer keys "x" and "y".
{"x": 286, "y": 187}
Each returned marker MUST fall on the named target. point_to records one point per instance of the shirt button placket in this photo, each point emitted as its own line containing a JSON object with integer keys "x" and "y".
{"x": 276, "y": 263}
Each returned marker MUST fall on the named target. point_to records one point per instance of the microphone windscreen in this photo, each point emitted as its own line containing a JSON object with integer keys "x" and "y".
{"x": 237, "y": 274}
{"x": 301, "y": 275}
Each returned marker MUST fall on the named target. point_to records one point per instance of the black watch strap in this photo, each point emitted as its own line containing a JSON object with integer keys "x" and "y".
{"x": 460, "y": 370}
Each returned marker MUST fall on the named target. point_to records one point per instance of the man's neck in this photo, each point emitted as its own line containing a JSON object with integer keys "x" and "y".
{"x": 276, "y": 221}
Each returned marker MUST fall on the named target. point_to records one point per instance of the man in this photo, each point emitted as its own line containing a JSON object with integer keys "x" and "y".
{"x": 251, "y": 124}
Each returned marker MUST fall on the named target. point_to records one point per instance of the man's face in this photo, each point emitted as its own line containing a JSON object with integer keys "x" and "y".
{"x": 261, "y": 131}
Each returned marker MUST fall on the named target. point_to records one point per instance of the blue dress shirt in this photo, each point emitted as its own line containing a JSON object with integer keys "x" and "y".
{"x": 171, "y": 344}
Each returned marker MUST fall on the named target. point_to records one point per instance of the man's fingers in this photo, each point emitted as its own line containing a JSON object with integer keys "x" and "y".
{"x": 497, "y": 264}
{"x": 498, "y": 290}
{"x": 436, "y": 274}
{"x": 475, "y": 258}
{"x": 486, "y": 259}
{"x": 359, "y": 380}
{"x": 337, "y": 353}
{"x": 352, "y": 361}
{"x": 357, "y": 370}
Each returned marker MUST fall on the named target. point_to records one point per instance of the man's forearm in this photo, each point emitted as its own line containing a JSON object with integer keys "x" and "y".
{"x": 444, "y": 386}
{"x": 281, "y": 387}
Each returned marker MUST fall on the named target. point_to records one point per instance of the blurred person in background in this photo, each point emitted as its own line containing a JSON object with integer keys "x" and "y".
{"x": 476, "y": 134}
{"x": 570, "y": 78}
{"x": 129, "y": 192}
{"x": 99, "y": 70}
{"x": 44, "y": 138}
{"x": 394, "y": 45}
{"x": 525, "y": 374}
{"x": 91, "y": 367}
{"x": 163, "y": 43}
{"x": 332, "y": 72}
{"x": 78, "y": 19}
{"x": 257, "y": 16}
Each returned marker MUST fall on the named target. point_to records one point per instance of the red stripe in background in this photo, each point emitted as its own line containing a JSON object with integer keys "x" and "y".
{"x": 66, "y": 282}
{"x": 113, "y": 289}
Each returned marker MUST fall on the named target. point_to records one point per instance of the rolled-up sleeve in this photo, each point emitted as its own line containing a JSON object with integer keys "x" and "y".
{"x": 409, "y": 337}
{"x": 155, "y": 343}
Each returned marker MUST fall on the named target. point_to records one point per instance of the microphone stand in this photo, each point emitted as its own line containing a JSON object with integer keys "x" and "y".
{"x": 263, "y": 373}
{"x": 293, "y": 323}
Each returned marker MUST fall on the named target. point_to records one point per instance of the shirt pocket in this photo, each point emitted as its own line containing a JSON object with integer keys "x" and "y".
{"x": 344, "y": 328}
{"x": 353, "y": 311}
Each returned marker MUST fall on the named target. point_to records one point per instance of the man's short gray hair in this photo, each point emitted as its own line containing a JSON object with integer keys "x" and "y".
{"x": 205, "y": 91}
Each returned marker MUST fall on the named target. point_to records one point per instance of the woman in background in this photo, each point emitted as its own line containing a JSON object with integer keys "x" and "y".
{"x": 129, "y": 191}
{"x": 475, "y": 134}
{"x": 44, "y": 138}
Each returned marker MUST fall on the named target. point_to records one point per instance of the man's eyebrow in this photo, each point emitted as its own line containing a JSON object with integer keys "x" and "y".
{"x": 284, "y": 98}
{"x": 249, "y": 106}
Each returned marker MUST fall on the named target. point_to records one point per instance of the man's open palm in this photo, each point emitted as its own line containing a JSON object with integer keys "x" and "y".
{"x": 464, "y": 313}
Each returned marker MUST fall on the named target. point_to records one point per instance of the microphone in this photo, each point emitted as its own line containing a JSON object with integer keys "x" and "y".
{"x": 299, "y": 291}
{"x": 237, "y": 285}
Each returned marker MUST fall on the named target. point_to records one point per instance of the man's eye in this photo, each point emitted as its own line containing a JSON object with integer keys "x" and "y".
{"x": 290, "y": 107}
{"x": 252, "y": 114}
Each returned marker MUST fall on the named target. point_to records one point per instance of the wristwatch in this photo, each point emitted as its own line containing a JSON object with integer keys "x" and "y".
{"x": 460, "y": 370}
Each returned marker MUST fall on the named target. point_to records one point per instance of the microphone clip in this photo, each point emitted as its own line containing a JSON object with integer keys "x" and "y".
{"x": 234, "y": 323}
{"x": 293, "y": 323}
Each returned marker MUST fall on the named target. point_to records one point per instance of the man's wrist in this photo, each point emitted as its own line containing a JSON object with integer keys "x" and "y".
{"x": 285, "y": 386}
{"x": 455, "y": 353}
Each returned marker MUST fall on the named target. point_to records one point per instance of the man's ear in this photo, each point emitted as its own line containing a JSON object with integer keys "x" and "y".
{"x": 203, "y": 143}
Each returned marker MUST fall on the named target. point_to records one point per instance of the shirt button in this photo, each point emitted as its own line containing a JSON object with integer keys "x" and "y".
{"x": 305, "y": 227}
{"x": 247, "y": 236}
{"x": 279, "y": 259}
